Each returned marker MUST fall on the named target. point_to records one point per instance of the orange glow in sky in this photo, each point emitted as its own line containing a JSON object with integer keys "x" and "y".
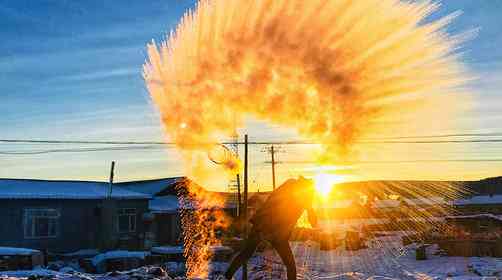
{"x": 325, "y": 182}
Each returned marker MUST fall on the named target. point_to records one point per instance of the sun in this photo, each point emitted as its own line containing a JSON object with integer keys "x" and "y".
{"x": 325, "y": 182}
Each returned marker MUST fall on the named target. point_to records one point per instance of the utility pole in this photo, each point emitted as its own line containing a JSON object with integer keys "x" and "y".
{"x": 272, "y": 152}
{"x": 273, "y": 167}
{"x": 239, "y": 199}
{"x": 234, "y": 184}
{"x": 107, "y": 215}
{"x": 110, "y": 182}
{"x": 245, "y": 206}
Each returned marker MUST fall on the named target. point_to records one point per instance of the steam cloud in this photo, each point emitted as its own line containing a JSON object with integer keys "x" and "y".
{"x": 329, "y": 69}
{"x": 332, "y": 70}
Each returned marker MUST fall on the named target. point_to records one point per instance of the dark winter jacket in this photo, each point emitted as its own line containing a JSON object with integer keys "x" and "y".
{"x": 277, "y": 217}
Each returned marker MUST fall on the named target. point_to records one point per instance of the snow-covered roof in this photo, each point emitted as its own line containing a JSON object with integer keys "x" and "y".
{"x": 164, "y": 204}
{"x": 425, "y": 201}
{"x": 386, "y": 203}
{"x": 10, "y": 251}
{"x": 151, "y": 187}
{"x": 118, "y": 255}
{"x": 337, "y": 204}
{"x": 421, "y": 219}
{"x": 475, "y": 216}
{"x": 166, "y": 250}
{"x": 48, "y": 189}
{"x": 479, "y": 199}
{"x": 82, "y": 252}
{"x": 171, "y": 204}
{"x": 418, "y": 201}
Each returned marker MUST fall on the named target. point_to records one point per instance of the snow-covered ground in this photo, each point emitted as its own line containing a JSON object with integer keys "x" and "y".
{"x": 384, "y": 259}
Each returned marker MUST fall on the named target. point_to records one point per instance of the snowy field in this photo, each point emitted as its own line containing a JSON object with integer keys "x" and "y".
{"x": 384, "y": 259}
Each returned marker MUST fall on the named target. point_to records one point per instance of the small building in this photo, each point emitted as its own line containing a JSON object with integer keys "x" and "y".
{"x": 165, "y": 206}
{"x": 20, "y": 258}
{"x": 411, "y": 207}
{"x": 166, "y": 226}
{"x": 66, "y": 216}
{"x": 165, "y": 223}
{"x": 477, "y": 204}
{"x": 340, "y": 209}
{"x": 473, "y": 235}
{"x": 387, "y": 208}
{"x": 425, "y": 202}
{"x": 478, "y": 225}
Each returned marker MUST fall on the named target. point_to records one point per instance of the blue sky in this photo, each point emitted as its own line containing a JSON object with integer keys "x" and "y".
{"x": 72, "y": 70}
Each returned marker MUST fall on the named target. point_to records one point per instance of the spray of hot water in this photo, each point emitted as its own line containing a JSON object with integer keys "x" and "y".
{"x": 335, "y": 71}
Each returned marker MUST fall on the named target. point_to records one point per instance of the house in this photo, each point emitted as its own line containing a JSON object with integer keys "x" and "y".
{"x": 486, "y": 225}
{"x": 387, "y": 207}
{"x": 483, "y": 196}
{"x": 339, "y": 209}
{"x": 66, "y": 216}
{"x": 433, "y": 206}
{"x": 165, "y": 206}
{"x": 472, "y": 235}
{"x": 165, "y": 224}
{"x": 479, "y": 204}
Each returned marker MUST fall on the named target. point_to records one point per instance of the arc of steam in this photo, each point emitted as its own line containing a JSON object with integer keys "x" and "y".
{"x": 333, "y": 70}
{"x": 326, "y": 68}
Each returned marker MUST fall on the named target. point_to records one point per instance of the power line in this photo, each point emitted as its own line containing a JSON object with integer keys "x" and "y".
{"x": 154, "y": 147}
{"x": 433, "y": 141}
{"x": 396, "y": 161}
{"x": 79, "y": 150}
{"x": 38, "y": 141}
{"x": 289, "y": 142}
{"x": 444, "y": 135}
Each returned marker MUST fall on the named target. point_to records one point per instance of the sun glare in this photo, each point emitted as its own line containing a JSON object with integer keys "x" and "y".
{"x": 324, "y": 183}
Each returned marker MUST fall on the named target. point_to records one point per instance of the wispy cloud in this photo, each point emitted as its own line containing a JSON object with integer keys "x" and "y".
{"x": 104, "y": 74}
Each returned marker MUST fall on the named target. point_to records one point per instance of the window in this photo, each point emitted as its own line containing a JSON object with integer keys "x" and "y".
{"x": 127, "y": 220}
{"x": 41, "y": 223}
